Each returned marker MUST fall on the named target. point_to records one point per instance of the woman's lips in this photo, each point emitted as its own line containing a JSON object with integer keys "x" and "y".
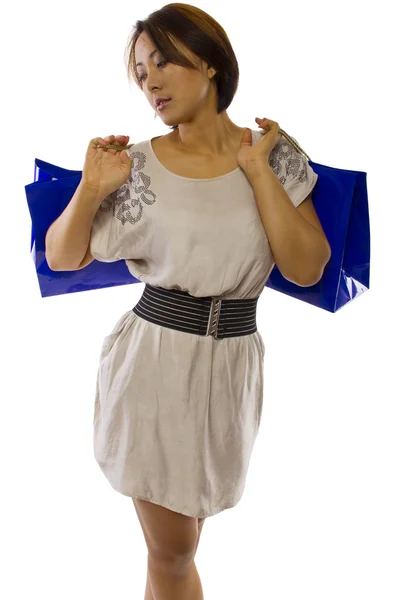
{"x": 164, "y": 104}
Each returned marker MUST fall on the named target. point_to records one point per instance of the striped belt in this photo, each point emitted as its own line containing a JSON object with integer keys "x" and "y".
{"x": 202, "y": 316}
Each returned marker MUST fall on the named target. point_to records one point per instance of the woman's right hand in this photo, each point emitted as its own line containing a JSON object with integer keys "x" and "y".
{"x": 106, "y": 169}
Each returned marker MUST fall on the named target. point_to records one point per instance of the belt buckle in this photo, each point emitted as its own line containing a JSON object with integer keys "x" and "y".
{"x": 213, "y": 319}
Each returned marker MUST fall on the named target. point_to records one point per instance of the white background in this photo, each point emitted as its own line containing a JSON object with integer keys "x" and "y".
{"x": 319, "y": 517}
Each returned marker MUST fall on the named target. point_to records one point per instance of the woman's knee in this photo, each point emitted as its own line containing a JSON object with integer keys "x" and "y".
{"x": 171, "y": 563}
{"x": 171, "y": 537}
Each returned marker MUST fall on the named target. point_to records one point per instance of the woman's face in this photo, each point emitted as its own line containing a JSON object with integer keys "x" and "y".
{"x": 191, "y": 91}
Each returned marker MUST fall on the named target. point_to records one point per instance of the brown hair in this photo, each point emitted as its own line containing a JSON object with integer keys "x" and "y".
{"x": 199, "y": 32}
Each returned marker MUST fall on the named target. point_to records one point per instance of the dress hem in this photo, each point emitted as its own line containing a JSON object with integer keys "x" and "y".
{"x": 182, "y": 512}
{"x": 166, "y": 504}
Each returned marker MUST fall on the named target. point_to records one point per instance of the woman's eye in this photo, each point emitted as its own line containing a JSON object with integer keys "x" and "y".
{"x": 163, "y": 62}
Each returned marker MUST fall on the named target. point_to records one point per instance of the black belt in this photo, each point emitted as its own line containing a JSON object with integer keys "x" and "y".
{"x": 203, "y": 316}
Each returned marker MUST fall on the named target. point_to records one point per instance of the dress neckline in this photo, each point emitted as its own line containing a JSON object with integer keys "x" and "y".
{"x": 205, "y": 179}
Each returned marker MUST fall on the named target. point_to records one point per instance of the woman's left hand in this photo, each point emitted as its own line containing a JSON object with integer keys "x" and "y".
{"x": 251, "y": 156}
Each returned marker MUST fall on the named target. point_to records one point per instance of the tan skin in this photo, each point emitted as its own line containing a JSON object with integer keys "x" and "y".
{"x": 172, "y": 540}
{"x": 204, "y": 139}
{"x": 205, "y": 145}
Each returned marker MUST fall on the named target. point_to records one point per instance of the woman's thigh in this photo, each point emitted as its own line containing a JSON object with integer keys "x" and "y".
{"x": 168, "y": 534}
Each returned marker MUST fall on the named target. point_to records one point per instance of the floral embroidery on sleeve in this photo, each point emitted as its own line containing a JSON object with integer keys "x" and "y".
{"x": 287, "y": 162}
{"x": 131, "y": 194}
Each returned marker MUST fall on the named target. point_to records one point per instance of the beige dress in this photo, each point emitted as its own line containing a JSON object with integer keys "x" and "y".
{"x": 176, "y": 414}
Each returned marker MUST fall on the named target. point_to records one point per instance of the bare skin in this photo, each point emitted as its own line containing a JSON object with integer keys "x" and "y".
{"x": 172, "y": 540}
{"x": 202, "y": 132}
{"x": 183, "y": 163}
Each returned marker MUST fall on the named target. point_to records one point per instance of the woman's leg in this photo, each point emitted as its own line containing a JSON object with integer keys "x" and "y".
{"x": 172, "y": 540}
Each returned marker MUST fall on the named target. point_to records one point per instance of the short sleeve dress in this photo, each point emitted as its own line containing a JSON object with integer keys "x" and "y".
{"x": 176, "y": 414}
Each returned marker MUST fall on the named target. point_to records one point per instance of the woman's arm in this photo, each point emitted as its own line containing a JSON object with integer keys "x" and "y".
{"x": 68, "y": 237}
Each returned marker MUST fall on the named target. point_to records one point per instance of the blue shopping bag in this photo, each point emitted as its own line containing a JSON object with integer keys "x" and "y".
{"x": 340, "y": 199}
{"x": 47, "y": 198}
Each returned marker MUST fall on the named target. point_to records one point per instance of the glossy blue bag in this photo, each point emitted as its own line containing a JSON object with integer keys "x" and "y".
{"x": 47, "y": 198}
{"x": 339, "y": 197}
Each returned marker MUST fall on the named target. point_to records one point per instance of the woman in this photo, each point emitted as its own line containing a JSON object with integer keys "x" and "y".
{"x": 206, "y": 213}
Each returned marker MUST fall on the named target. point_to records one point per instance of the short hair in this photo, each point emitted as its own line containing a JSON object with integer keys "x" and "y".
{"x": 199, "y": 32}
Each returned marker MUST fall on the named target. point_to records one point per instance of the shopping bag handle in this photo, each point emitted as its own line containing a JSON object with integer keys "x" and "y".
{"x": 294, "y": 142}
